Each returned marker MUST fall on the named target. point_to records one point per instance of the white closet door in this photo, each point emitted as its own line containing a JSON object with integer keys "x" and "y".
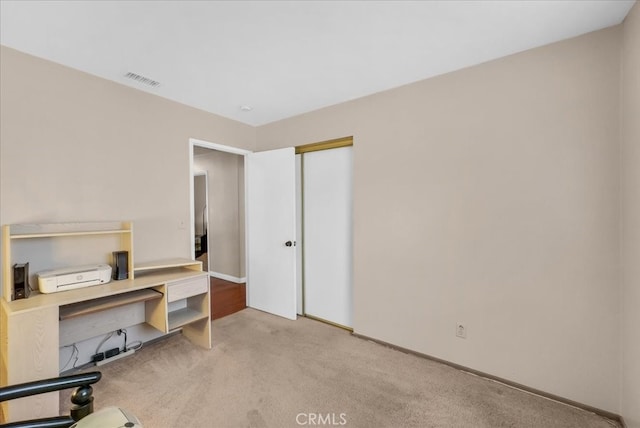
{"x": 271, "y": 228}
{"x": 328, "y": 219}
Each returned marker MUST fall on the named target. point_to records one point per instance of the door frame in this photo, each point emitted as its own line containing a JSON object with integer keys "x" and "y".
{"x": 194, "y": 142}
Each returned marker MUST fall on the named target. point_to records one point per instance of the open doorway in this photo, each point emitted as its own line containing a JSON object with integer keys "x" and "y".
{"x": 218, "y": 223}
{"x": 201, "y": 218}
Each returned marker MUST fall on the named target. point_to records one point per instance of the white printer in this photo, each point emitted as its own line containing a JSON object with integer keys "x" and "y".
{"x": 52, "y": 281}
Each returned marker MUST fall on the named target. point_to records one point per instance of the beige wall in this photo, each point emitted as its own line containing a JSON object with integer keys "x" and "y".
{"x": 75, "y": 147}
{"x": 226, "y": 211}
{"x": 489, "y": 196}
{"x": 630, "y": 102}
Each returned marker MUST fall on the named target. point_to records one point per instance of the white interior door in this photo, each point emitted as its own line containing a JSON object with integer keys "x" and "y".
{"x": 271, "y": 227}
{"x": 328, "y": 248}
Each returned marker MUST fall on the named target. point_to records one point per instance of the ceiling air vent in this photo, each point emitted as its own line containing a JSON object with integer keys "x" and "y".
{"x": 142, "y": 79}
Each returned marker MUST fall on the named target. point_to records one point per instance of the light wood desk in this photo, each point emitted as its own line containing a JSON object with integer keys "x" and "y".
{"x": 31, "y": 328}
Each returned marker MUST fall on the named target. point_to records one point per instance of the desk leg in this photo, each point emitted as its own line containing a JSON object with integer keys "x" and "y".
{"x": 30, "y": 352}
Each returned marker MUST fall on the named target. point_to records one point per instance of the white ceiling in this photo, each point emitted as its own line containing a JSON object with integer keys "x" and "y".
{"x": 284, "y": 58}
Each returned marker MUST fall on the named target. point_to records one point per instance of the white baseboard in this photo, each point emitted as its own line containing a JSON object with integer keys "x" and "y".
{"x": 226, "y": 277}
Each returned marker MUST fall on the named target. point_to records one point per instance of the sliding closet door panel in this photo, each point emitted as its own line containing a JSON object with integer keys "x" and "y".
{"x": 328, "y": 274}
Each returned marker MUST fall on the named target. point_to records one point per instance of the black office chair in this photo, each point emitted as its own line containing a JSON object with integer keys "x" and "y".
{"x": 81, "y": 399}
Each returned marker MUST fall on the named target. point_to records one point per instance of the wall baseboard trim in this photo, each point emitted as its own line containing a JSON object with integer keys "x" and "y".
{"x": 604, "y": 413}
{"x": 230, "y": 278}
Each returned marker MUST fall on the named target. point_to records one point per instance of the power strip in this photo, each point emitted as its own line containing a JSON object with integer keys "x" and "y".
{"x": 115, "y": 357}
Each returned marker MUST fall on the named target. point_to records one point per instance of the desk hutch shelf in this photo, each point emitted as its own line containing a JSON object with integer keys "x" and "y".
{"x": 51, "y": 236}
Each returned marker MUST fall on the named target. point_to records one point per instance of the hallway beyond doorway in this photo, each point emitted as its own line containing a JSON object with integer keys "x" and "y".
{"x": 226, "y": 297}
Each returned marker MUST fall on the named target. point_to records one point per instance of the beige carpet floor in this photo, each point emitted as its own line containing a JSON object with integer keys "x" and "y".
{"x": 265, "y": 371}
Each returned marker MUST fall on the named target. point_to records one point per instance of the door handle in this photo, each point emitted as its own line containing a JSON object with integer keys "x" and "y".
{"x": 290, "y": 244}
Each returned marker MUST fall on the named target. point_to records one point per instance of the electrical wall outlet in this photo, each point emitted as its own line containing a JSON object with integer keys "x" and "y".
{"x": 461, "y": 330}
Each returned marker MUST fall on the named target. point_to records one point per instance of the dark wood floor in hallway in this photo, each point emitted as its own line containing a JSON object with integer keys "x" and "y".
{"x": 226, "y": 297}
